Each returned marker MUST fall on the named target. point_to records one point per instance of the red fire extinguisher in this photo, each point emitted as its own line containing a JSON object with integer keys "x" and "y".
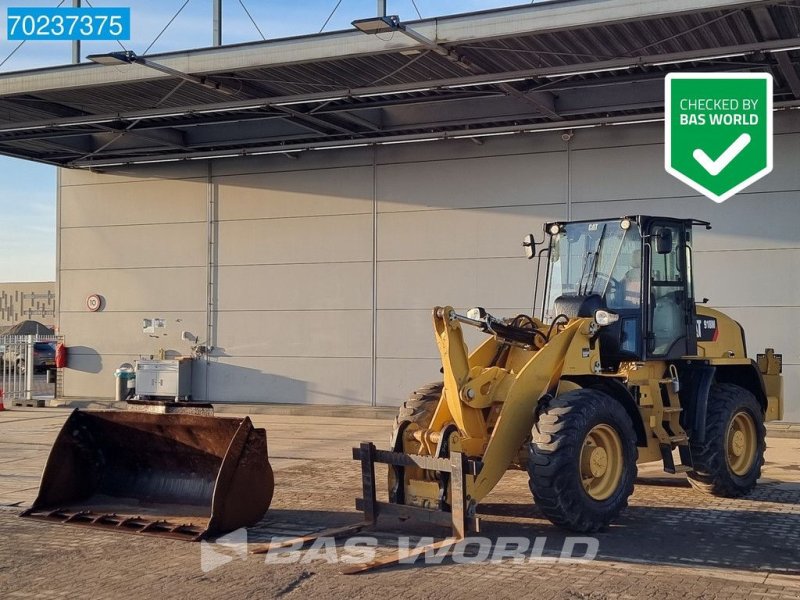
{"x": 61, "y": 356}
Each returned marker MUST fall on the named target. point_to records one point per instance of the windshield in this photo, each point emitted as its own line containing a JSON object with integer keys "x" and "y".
{"x": 596, "y": 258}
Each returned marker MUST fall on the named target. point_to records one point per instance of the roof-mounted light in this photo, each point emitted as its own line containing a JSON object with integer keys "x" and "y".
{"x": 127, "y": 57}
{"x": 378, "y": 24}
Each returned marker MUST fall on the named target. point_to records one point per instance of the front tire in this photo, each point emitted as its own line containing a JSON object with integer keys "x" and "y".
{"x": 582, "y": 460}
{"x": 728, "y": 462}
{"x": 416, "y": 412}
{"x": 418, "y": 409}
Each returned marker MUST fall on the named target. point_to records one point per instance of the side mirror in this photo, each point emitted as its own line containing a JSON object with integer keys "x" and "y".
{"x": 664, "y": 241}
{"x": 530, "y": 245}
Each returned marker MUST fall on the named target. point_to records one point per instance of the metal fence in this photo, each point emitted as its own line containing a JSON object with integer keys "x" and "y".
{"x": 24, "y": 366}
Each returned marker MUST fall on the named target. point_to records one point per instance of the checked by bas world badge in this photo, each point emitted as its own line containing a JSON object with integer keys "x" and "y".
{"x": 718, "y": 130}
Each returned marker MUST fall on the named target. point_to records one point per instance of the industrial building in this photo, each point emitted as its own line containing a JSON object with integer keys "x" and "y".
{"x": 300, "y": 205}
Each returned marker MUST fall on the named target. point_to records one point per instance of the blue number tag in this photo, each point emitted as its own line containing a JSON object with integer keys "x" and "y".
{"x": 32, "y": 23}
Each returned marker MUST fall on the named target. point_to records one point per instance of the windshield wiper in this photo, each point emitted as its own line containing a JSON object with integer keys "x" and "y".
{"x": 583, "y": 272}
{"x": 596, "y": 263}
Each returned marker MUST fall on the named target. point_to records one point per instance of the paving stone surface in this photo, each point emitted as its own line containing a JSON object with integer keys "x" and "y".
{"x": 672, "y": 542}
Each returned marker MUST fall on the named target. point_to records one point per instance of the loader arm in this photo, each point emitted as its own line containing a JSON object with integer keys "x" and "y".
{"x": 468, "y": 392}
{"x": 539, "y": 377}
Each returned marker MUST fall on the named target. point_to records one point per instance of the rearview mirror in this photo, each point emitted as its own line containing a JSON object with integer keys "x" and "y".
{"x": 664, "y": 241}
{"x": 530, "y": 245}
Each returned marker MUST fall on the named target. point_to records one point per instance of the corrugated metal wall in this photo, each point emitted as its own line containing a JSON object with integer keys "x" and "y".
{"x": 324, "y": 269}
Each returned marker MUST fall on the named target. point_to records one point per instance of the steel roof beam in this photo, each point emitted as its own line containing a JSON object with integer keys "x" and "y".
{"x": 349, "y": 116}
{"x": 166, "y": 137}
{"x": 768, "y": 30}
{"x": 205, "y": 146}
{"x": 451, "y": 30}
{"x": 407, "y": 138}
{"x": 543, "y": 102}
{"x": 599, "y": 67}
{"x": 374, "y": 141}
{"x": 320, "y": 125}
{"x": 55, "y": 109}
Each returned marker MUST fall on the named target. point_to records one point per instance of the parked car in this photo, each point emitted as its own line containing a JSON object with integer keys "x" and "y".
{"x": 44, "y": 356}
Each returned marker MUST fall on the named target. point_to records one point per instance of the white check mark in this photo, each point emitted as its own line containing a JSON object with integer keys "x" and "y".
{"x": 715, "y": 167}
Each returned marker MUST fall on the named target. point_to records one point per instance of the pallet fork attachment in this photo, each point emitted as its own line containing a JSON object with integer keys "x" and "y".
{"x": 458, "y": 466}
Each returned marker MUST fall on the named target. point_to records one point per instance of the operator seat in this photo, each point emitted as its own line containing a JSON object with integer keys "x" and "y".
{"x": 632, "y": 283}
{"x": 667, "y": 322}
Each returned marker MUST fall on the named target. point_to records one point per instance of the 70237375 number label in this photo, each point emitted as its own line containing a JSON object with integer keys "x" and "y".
{"x": 34, "y": 23}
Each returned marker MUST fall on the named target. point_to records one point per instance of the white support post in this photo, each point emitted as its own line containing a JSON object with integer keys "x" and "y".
{"x": 217, "y": 21}
{"x": 29, "y": 369}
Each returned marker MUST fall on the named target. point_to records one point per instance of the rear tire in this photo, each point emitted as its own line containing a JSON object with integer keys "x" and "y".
{"x": 582, "y": 460}
{"x": 728, "y": 463}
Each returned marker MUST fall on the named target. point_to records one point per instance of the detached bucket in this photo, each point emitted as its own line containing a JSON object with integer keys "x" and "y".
{"x": 180, "y": 475}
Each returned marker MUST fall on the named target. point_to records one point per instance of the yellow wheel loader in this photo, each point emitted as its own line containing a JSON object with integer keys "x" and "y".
{"x": 623, "y": 367}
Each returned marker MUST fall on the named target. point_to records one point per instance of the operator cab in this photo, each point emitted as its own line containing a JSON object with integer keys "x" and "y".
{"x": 638, "y": 268}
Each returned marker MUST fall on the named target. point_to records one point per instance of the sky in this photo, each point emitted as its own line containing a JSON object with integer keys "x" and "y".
{"x": 28, "y": 189}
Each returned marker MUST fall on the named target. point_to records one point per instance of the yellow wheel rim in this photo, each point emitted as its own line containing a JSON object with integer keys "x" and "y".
{"x": 741, "y": 443}
{"x": 601, "y": 462}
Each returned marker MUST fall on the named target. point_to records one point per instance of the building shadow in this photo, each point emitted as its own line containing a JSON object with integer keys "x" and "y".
{"x": 85, "y": 359}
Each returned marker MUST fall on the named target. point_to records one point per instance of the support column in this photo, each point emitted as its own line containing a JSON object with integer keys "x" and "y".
{"x": 217, "y": 35}
{"x": 76, "y": 44}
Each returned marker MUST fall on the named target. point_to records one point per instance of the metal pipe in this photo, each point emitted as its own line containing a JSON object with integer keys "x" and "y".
{"x": 76, "y": 44}
{"x": 569, "y": 175}
{"x": 217, "y": 34}
{"x": 374, "y": 350}
{"x": 29, "y": 370}
{"x": 210, "y": 274}
{"x": 381, "y": 8}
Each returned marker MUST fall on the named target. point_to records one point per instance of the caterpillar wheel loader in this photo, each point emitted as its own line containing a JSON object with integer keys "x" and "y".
{"x": 161, "y": 468}
{"x": 622, "y": 368}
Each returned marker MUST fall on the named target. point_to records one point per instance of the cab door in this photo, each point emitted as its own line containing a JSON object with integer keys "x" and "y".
{"x": 669, "y": 309}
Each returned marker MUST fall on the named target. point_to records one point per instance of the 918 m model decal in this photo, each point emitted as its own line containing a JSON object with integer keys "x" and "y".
{"x": 706, "y": 329}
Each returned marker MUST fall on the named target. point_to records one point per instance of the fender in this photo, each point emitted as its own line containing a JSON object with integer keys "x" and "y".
{"x": 617, "y": 390}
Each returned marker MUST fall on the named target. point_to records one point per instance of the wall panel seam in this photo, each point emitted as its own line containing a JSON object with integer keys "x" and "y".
{"x": 287, "y": 217}
{"x": 112, "y": 225}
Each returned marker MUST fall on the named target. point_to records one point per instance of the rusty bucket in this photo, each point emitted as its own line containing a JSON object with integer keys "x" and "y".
{"x": 181, "y": 475}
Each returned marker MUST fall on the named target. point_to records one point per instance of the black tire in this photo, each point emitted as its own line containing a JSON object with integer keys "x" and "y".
{"x": 417, "y": 410}
{"x": 713, "y": 467}
{"x": 554, "y": 462}
{"x": 419, "y": 407}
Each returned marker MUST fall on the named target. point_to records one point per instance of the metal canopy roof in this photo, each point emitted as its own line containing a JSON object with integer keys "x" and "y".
{"x": 552, "y": 65}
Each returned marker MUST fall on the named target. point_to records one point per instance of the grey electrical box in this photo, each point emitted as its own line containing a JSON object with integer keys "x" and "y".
{"x": 170, "y": 378}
